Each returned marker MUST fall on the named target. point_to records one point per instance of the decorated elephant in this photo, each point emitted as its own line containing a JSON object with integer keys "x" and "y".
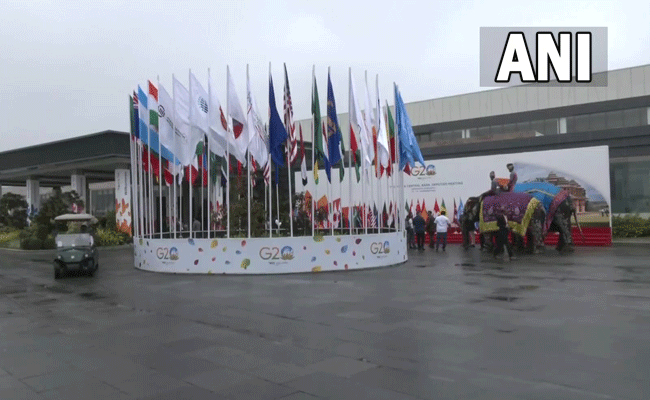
{"x": 525, "y": 214}
{"x": 558, "y": 206}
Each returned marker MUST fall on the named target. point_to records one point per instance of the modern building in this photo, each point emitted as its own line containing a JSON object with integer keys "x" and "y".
{"x": 501, "y": 121}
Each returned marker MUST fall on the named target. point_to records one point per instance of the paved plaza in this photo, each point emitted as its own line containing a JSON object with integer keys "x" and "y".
{"x": 448, "y": 325}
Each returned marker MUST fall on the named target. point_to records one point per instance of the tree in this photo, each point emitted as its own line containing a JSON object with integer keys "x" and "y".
{"x": 59, "y": 203}
{"x": 13, "y": 210}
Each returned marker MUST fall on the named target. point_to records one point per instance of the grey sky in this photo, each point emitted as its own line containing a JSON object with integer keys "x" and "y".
{"x": 66, "y": 68}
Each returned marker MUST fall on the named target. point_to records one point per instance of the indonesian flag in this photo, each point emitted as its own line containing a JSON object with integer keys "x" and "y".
{"x": 436, "y": 209}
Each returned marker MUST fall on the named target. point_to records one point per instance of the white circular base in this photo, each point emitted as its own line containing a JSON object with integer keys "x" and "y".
{"x": 270, "y": 255}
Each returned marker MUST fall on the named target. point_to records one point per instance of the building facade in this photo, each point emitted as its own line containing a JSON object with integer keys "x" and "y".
{"x": 501, "y": 121}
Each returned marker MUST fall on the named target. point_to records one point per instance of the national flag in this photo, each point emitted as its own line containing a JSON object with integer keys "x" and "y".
{"x": 258, "y": 147}
{"x": 418, "y": 209}
{"x": 143, "y": 115}
{"x": 240, "y": 131}
{"x": 182, "y": 147}
{"x": 391, "y": 133}
{"x": 460, "y": 208}
{"x": 319, "y": 154}
{"x": 333, "y": 129}
{"x": 384, "y": 216}
{"x": 371, "y": 129}
{"x": 443, "y": 207}
{"x": 436, "y": 209}
{"x": 423, "y": 212}
{"x": 292, "y": 144}
{"x": 409, "y": 149}
{"x": 383, "y": 147}
{"x": 153, "y": 105}
{"x": 303, "y": 162}
{"x": 217, "y": 124}
{"x": 199, "y": 121}
{"x": 357, "y": 128}
{"x": 277, "y": 132}
{"x": 455, "y": 219}
{"x": 411, "y": 209}
{"x": 133, "y": 106}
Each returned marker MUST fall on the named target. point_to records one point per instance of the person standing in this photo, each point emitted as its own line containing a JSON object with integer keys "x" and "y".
{"x": 431, "y": 229}
{"x": 502, "y": 234}
{"x": 410, "y": 236}
{"x": 442, "y": 224}
{"x": 419, "y": 225}
{"x": 513, "y": 177}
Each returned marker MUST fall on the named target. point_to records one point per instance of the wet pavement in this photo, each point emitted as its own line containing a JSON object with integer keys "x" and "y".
{"x": 448, "y": 325}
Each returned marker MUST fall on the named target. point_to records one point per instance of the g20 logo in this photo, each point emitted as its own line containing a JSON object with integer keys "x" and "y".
{"x": 164, "y": 253}
{"x": 430, "y": 170}
{"x": 380, "y": 248}
{"x": 275, "y": 253}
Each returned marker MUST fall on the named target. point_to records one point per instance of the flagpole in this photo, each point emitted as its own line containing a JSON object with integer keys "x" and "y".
{"x": 228, "y": 162}
{"x": 290, "y": 127}
{"x": 160, "y": 177}
{"x": 175, "y": 171}
{"x": 350, "y": 151}
{"x": 210, "y": 110}
{"x": 270, "y": 185}
{"x": 132, "y": 139}
{"x": 312, "y": 218}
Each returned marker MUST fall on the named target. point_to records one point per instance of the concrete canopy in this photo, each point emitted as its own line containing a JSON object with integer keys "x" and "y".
{"x": 96, "y": 156}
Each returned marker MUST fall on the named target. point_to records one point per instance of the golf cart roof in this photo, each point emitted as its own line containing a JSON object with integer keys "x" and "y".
{"x": 77, "y": 217}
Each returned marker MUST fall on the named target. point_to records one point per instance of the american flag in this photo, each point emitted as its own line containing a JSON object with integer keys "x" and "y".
{"x": 292, "y": 143}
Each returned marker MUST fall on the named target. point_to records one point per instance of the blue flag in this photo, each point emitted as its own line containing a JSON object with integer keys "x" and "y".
{"x": 460, "y": 207}
{"x": 143, "y": 116}
{"x": 408, "y": 145}
{"x": 277, "y": 132}
{"x": 333, "y": 129}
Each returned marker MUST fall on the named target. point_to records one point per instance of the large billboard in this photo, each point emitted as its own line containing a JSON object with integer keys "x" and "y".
{"x": 584, "y": 172}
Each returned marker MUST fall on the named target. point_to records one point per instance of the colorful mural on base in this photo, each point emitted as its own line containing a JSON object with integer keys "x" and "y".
{"x": 270, "y": 255}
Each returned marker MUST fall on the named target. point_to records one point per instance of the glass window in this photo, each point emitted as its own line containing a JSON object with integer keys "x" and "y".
{"x": 615, "y": 120}
{"x": 483, "y": 132}
{"x": 582, "y": 123}
{"x": 550, "y": 127}
{"x": 537, "y": 126}
{"x": 510, "y": 128}
{"x": 598, "y": 121}
{"x": 632, "y": 117}
{"x": 523, "y": 126}
{"x": 630, "y": 185}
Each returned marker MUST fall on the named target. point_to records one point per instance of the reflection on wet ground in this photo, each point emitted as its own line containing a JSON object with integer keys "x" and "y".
{"x": 457, "y": 324}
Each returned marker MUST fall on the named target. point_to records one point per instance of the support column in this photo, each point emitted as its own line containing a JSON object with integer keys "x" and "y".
{"x": 123, "y": 203}
{"x": 78, "y": 183}
{"x": 648, "y": 119}
{"x": 561, "y": 125}
{"x": 33, "y": 197}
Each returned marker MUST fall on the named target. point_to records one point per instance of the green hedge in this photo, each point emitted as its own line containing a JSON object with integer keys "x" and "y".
{"x": 630, "y": 226}
{"x": 108, "y": 237}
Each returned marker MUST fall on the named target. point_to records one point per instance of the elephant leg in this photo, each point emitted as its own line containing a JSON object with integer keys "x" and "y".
{"x": 536, "y": 231}
{"x": 565, "y": 242}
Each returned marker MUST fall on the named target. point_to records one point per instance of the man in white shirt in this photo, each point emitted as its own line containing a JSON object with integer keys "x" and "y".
{"x": 442, "y": 223}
